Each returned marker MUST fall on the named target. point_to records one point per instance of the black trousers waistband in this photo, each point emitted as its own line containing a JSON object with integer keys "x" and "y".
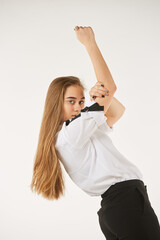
{"x": 120, "y": 185}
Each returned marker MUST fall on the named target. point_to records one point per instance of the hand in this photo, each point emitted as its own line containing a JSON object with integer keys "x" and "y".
{"x": 85, "y": 35}
{"x": 98, "y": 93}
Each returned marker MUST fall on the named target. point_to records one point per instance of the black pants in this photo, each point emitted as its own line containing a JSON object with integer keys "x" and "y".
{"x": 126, "y": 213}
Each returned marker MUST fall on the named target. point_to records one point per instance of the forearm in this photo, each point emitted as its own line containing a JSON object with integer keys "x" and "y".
{"x": 116, "y": 109}
{"x": 100, "y": 67}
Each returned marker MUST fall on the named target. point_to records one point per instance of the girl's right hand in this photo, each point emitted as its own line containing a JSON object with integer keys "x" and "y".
{"x": 85, "y": 35}
{"x": 98, "y": 90}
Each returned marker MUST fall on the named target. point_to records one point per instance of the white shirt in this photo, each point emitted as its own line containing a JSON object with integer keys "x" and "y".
{"x": 88, "y": 154}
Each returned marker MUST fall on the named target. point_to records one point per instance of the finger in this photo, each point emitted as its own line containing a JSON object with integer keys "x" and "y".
{"x": 76, "y": 28}
{"x": 103, "y": 91}
{"x": 100, "y": 88}
{"x": 95, "y": 91}
{"x": 98, "y": 94}
{"x": 94, "y": 95}
{"x": 100, "y": 84}
{"x": 92, "y": 98}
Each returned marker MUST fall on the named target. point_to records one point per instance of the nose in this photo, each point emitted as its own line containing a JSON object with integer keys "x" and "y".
{"x": 77, "y": 108}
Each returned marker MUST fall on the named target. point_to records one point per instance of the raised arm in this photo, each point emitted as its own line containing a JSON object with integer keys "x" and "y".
{"x": 86, "y": 36}
{"x": 116, "y": 108}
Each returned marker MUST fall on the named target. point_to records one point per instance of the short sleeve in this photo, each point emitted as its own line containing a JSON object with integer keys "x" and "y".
{"x": 106, "y": 128}
{"x": 78, "y": 131}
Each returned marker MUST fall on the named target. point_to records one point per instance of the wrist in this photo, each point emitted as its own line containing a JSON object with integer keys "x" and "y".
{"x": 90, "y": 45}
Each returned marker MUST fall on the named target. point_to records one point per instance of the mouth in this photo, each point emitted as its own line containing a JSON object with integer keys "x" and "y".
{"x": 74, "y": 115}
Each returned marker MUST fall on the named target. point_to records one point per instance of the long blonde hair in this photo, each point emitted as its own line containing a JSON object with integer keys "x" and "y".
{"x": 47, "y": 177}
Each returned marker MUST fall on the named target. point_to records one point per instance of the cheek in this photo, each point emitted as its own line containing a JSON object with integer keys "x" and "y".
{"x": 83, "y": 105}
{"x": 68, "y": 108}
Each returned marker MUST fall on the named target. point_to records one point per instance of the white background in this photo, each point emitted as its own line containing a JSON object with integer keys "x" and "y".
{"x": 38, "y": 44}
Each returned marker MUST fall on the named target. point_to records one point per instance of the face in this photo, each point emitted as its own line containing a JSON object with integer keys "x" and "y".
{"x": 74, "y": 101}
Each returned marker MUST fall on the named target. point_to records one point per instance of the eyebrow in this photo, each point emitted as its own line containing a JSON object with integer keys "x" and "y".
{"x": 75, "y": 97}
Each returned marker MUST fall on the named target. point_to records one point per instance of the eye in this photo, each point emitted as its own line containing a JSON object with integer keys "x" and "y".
{"x": 82, "y": 102}
{"x": 71, "y": 101}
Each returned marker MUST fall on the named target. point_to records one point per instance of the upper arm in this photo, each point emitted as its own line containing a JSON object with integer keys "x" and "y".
{"x": 106, "y": 101}
{"x": 78, "y": 131}
{"x": 112, "y": 120}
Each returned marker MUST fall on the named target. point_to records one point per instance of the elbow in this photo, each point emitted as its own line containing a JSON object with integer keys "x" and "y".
{"x": 113, "y": 89}
{"x": 123, "y": 110}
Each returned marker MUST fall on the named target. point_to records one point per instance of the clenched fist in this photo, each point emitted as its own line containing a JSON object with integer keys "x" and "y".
{"x": 85, "y": 35}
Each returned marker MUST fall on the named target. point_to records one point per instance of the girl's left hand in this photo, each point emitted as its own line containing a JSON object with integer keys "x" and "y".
{"x": 98, "y": 90}
{"x": 85, "y": 35}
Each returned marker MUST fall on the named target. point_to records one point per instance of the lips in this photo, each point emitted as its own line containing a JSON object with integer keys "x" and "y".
{"x": 74, "y": 115}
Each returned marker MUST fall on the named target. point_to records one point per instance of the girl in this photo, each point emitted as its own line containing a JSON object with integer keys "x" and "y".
{"x": 78, "y": 137}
